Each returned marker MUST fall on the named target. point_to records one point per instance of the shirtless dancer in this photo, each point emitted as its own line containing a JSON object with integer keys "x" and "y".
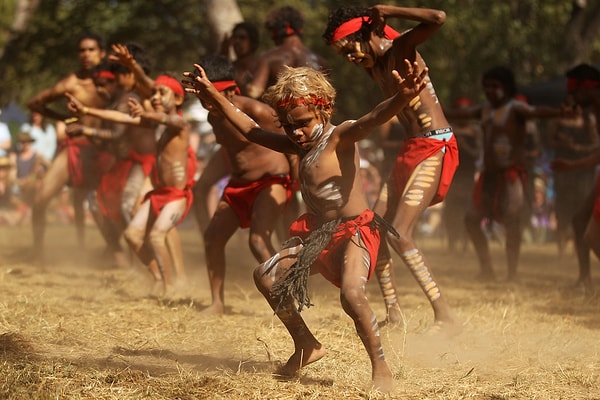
{"x": 122, "y": 187}
{"x": 285, "y": 25}
{"x": 106, "y": 85}
{"x": 340, "y": 236}
{"x": 468, "y": 137}
{"x": 244, "y": 41}
{"x": 78, "y": 163}
{"x": 168, "y": 203}
{"x": 257, "y": 192}
{"x": 429, "y": 156}
{"x": 499, "y": 193}
{"x": 583, "y": 83}
{"x": 132, "y": 68}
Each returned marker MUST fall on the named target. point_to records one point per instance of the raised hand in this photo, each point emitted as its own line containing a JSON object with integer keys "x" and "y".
{"x": 199, "y": 85}
{"x": 121, "y": 55}
{"x": 415, "y": 79}
{"x": 74, "y": 129}
{"x": 74, "y": 105}
{"x": 136, "y": 109}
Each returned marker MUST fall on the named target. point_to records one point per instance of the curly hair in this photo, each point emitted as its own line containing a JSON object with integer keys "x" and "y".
{"x": 217, "y": 68}
{"x": 252, "y": 31}
{"x": 344, "y": 14}
{"x": 505, "y": 76}
{"x": 584, "y": 72}
{"x": 302, "y": 85}
{"x": 284, "y": 21}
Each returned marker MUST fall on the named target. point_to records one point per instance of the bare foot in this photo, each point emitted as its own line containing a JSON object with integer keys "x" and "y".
{"x": 300, "y": 359}
{"x": 121, "y": 260}
{"x": 157, "y": 288}
{"x": 383, "y": 381}
{"x": 214, "y": 309}
{"x": 447, "y": 329}
{"x": 395, "y": 317}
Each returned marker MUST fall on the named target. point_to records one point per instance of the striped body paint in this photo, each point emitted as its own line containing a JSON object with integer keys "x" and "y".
{"x": 415, "y": 262}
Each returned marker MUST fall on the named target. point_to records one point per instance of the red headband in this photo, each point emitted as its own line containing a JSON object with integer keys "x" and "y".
{"x": 106, "y": 74}
{"x": 573, "y": 84}
{"x": 171, "y": 83}
{"x": 317, "y": 101}
{"x": 355, "y": 24}
{"x": 224, "y": 85}
{"x": 288, "y": 31}
{"x": 463, "y": 101}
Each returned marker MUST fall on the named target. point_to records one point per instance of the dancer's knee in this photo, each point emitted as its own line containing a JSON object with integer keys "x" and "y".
{"x": 258, "y": 243}
{"x": 134, "y": 237}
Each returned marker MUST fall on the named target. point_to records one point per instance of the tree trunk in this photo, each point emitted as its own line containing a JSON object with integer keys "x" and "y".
{"x": 221, "y": 15}
{"x": 24, "y": 11}
{"x": 582, "y": 29}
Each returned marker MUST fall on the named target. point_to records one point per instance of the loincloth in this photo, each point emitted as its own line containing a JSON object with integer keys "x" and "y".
{"x": 490, "y": 190}
{"x": 110, "y": 189}
{"x": 86, "y": 163}
{"x": 416, "y": 150}
{"x": 323, "y": 250}
{"x": 241, "y": 195}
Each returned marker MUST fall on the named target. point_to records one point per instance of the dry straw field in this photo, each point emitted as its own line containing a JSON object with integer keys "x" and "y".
{"x": 78, "y": 329}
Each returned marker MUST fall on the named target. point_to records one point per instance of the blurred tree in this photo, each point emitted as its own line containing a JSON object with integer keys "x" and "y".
{"x": 539, "y": 39}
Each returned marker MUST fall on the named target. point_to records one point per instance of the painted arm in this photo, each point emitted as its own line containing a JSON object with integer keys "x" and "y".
{"x": 199, "y": 85}
{"x": 78, "y": 108}
{"x": 40, "y": 102}
{"x": 407, "y": 89}
{"x": 144, "y": 83}
{"x": 430, "y": 20}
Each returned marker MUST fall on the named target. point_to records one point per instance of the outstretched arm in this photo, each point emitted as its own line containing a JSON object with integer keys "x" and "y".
{"x": 589, "y": 161}
{"x": 40, "y": 102}
{"x": 198, "y": 84}
{"x": 78, "y": 108}
{"x": 407, "y": 89}
{"x": 144, "y": 83}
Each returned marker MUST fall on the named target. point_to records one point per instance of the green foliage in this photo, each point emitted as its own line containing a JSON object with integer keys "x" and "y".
{"x": 526, "y": 35}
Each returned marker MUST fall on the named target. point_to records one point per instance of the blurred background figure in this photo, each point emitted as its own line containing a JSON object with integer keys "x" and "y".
{"x": 469, "y": 137}
{"x": 5, "y": 138}
{"x": 12, "y": 211}
{"x": 571, "y": 139}
{"x": 44, "y": 135}
{"x": 30, "y": 169}
{"x": 243, "y": 43}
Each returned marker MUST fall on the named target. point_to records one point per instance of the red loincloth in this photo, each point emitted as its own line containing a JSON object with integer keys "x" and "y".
{"x": 162, "y": 195}
{"x": 329, "y": 262}
{"x": 110, "y": 189}
{"x": 495, "y": 188}
{"x": 86, "y": 163}
{"x": 146, "y": 161}
{"x": 112, "y": 183}
{"x": 416, "y": 150}
{"x": 241, "y": 195}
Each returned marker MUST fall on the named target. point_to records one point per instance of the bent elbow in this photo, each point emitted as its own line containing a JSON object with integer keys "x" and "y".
{"x": 439, "y": 17}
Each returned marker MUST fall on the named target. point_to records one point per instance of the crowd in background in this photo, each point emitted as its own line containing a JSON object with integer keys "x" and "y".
{"x": 28, "y": 148}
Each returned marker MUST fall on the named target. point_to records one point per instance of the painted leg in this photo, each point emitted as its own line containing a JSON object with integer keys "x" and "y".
{"x": 355, "y": 304}
{"x": 221, "y": 228}
{"x": 307, "y": 348}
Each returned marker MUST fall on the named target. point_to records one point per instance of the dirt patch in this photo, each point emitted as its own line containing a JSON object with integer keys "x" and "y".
{"x": 77, "y": 328}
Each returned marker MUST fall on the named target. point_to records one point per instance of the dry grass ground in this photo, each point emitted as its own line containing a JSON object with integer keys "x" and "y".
{"x": 79, "y": 329}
